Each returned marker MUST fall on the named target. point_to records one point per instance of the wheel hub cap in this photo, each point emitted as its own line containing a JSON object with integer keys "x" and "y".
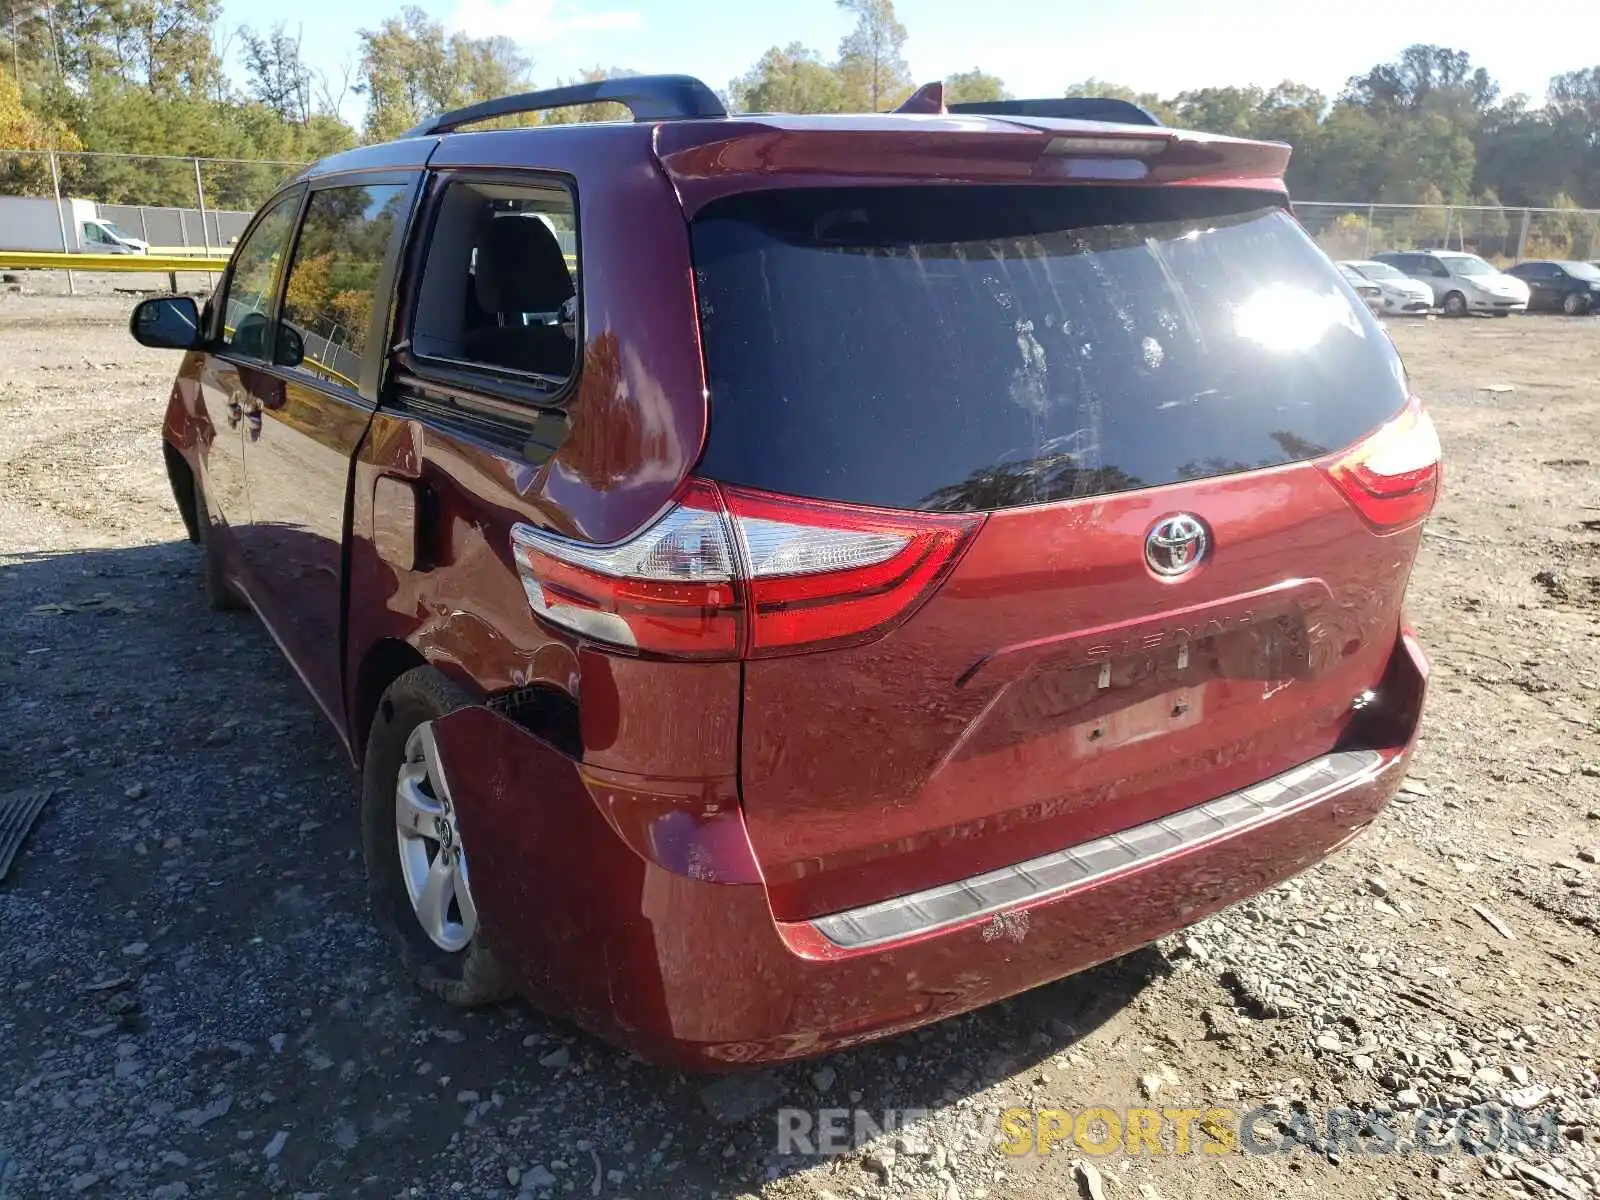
{"x": 432, "y": 860}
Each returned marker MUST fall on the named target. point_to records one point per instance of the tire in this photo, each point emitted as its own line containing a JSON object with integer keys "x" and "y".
{"x": 220, "y": 595}
{"x": 1574, "y": 304}
{"x": 1455, "y": 305}
{"x": 467, "y": 976}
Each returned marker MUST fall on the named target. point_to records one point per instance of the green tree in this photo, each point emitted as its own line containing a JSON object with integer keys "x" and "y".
{"x": 410, "y": 69}
{"x": 1526, "y": 158}
{"x": 1425, "y": 77}
{"x": 872, "y": 65}
{"x": 1231, "y": 110}
{"x": 1428, "y": 151}
{"x": 20, "y": 129}
{"x": 1345, "y": 163}
{"x": 275, "y": 72}
{"x": 967, "y": 87}
{"x": 1161, "y": 109}
{"x": 1291, "y": 112}
{"x": 143, "y": 77}
{"x": 1575, "y": 103}
{"x": 792, "y": 79}
{"x": 31, "y": 52}
{"x": 604, "y": 110}
{"x": 169, "y": 45}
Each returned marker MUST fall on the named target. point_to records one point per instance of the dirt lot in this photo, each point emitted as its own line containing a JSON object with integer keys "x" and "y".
{"x": 195, "y": 1003}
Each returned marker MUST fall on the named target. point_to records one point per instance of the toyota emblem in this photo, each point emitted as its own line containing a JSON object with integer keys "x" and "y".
{"x": 1175, "y": 545}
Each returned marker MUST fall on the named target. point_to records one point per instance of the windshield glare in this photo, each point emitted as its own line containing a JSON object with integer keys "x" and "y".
{"x": 1582, "y": 270}
{"x": 1469, "y": 264}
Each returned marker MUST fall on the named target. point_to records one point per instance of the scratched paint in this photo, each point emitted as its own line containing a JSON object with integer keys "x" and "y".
{"x": 1007, "y": 926}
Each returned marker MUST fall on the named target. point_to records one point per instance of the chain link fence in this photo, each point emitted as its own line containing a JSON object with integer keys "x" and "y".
{"x": 1502, "y": 235}
{"x": 173, "y": 203}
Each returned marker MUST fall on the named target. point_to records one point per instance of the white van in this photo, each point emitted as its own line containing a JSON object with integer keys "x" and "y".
{"x": 34, "y": 223}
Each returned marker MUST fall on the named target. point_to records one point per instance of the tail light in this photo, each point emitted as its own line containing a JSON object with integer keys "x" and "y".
{"x": 727, "y": 572}
{"x": 1393, "y": 477}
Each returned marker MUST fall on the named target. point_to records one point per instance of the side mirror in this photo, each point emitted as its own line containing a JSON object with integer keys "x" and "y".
{"x": 166, "y": 323}
{"x": 290, "y": 349}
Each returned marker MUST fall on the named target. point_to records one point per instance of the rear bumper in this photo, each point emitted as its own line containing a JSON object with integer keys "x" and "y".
{"x": 655, "y": 931}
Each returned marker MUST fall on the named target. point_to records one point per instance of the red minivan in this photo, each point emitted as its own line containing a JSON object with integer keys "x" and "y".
{"x": 824, "y": 573}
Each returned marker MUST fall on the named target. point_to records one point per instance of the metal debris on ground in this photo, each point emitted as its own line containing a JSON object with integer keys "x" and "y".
{"x": 18, "y": 811}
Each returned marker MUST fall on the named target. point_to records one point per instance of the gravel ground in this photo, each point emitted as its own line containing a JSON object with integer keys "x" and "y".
{"x": 195, "y": 1003}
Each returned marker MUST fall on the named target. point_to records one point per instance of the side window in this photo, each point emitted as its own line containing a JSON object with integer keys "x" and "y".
{"x": 1435, "y": 268}
{"x": 499, "y": 288}
{"x": 255, "y": 274}
{"x": 327, "y": 303}
{"x": 93, "y": 233}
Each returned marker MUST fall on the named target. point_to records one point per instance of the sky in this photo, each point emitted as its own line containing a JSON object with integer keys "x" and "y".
{"x": 1036, "y": 46}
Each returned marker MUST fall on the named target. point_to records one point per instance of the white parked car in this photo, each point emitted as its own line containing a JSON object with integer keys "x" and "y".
{"x": 1398, "y": 292}
{"x": 1462, "y": 283}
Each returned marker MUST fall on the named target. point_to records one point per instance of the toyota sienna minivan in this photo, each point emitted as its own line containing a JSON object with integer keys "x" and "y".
{"x": 787, "y": 579}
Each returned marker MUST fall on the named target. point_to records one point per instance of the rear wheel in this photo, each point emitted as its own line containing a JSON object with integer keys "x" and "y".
{"x": 1455, "y": 305}
{"x": 417, "y": 875}
{"x": 1575, "y": 304}
{"x": 219, "y": 592}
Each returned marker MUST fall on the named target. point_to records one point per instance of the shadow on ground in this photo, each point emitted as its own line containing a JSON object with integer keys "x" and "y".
{"x": 195, "y": 994}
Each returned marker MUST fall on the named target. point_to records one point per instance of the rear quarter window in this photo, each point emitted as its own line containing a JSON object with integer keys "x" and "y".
{"x": 973, "y": 348}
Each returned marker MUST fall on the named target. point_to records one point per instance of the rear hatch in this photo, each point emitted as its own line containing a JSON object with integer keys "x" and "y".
{"x": 1141, "y": 394}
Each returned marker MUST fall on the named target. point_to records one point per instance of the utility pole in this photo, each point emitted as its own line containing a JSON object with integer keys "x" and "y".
{"x": 61, "y": 219}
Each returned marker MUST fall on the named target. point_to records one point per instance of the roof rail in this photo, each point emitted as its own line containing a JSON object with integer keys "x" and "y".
{"x": 1076, "y": 108}
{"x": 647, "y": 97}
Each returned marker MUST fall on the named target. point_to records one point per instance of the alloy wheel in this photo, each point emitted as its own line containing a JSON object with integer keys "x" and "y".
{"x": 433, "y": 861}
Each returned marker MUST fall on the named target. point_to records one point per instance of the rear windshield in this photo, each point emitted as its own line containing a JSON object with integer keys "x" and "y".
{"x": 967, "y": 348}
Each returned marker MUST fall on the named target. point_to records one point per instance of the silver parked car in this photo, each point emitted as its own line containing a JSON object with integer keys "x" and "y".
{"x": 1461, "y": 283}
{"x": 1398, "y": 292}
{"x": 1371, "y": 294}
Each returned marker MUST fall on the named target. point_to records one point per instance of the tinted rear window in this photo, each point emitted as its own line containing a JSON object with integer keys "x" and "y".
{"x": 962, "y": 348}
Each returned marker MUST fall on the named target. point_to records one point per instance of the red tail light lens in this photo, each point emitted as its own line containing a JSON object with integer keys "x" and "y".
{"x": 827, "y": 574}
{"x": 1392, "y": 478}
{"x": 729, "y": 572}
{"x": 669, "y": 589}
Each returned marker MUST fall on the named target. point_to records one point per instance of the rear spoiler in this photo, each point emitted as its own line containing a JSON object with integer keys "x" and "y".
{"x": 706, "y": 159}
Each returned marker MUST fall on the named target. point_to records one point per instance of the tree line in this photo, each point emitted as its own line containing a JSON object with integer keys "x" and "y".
{"x": 147, "y": 77}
